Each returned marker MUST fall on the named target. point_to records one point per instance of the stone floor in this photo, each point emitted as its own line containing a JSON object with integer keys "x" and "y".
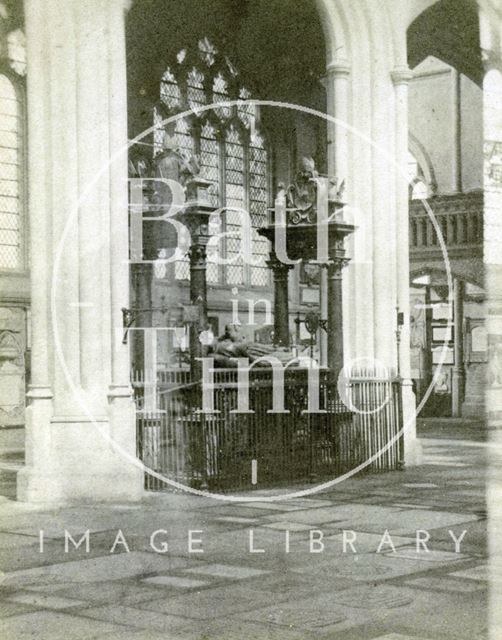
{"x": 375, "y": 589}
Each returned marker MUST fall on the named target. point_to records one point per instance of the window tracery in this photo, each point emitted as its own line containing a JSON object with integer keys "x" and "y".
{"x": 11, "y": 158}
{"x": 232, "y": 154}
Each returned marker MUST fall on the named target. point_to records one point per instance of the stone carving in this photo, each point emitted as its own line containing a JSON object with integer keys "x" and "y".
{"x": 336, "y": 192}
{"x": 197, "y": 254}
{"x": 302, "y": 194}
{"x": 232, "y": 344}
{"x": 139, "y": 166}
{"x": 174, "y": 163}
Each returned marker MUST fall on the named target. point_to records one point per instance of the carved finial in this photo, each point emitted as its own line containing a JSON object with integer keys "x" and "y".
{"x": 336, "y": 191}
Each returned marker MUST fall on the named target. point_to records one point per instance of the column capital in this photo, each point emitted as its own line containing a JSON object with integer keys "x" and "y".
{"x": 335, "y": 267}
{"x": 401, "y": 74}
{"x": 279, "y": 269}
{"x": 339, "y": 68}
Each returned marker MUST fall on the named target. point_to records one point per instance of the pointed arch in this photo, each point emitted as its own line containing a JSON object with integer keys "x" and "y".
{"x": 420, "y": 154}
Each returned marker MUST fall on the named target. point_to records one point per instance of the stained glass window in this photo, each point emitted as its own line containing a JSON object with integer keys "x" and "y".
{"x": 10, "y": 187}
{"x": 235, "y": 200}
{"x": 170, "y": 93}
{"x": 183, "y": 136}
{"x": 182, "y": 266}
{"x": 210, "y": 170}
{"x": 258, "y": 181}
{"x": 235, "y": 165}
{"x": 220, "y": 94}
{"x": 158, "y": 132}
{"x": 258, "y": 208}
{"x": 210, "y": 160}
{"x": 246, "y": 111}
{"x": 184, "y": 141}
{"x": 195, "y": 89}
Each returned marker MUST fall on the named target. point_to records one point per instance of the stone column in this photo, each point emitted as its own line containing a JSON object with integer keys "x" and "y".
{"x": 142, "y": 277}
{"x": 400, "y": 77}
{"x": 80, "y": 427}
{"x": 198, "y": 297}
{"x": 335, "y": 316}
{"x": 458, "y": 379}
{"x": 337, "y": 96}
{"x": 281, "y": 301}
{"x": 40, "y": 393}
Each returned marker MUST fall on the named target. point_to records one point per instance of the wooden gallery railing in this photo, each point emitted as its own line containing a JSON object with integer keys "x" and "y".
{"x": 459, "y": 218}
{"x": 226, "y": 451}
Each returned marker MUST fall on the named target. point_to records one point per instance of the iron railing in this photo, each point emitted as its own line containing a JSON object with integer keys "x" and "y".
{"x": 226, "y": 451}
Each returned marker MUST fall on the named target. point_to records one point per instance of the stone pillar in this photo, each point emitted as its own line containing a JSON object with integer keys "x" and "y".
{"x": 80, "y": 425}
{"x": 198, "y": 298}
{"x": 337, "y": 95}
{"x": 335, "y": 316}
{"x": 401, "y": 77}
{"x": 458, "y": 380}
{"x": 281, "y": 301}
{"x": 142, "y": 277}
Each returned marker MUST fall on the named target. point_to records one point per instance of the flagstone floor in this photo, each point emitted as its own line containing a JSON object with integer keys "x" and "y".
{"x": 302, "y": 578}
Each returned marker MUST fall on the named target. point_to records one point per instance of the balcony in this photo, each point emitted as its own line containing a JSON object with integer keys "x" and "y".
{"x": 459, "y": 219}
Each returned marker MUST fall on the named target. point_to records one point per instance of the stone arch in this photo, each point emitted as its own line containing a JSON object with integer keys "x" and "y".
{"x": 423, "y": 160}
{"x": 334, "y": 24}
{"x": 448, "y": 30}
{"x": 458, "y": 271}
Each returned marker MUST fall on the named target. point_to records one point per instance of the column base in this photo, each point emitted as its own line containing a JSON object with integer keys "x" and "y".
{"x": 412, "y": 446}
{"x": 72, "y": 460}
{"x": 84, "y": 488}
